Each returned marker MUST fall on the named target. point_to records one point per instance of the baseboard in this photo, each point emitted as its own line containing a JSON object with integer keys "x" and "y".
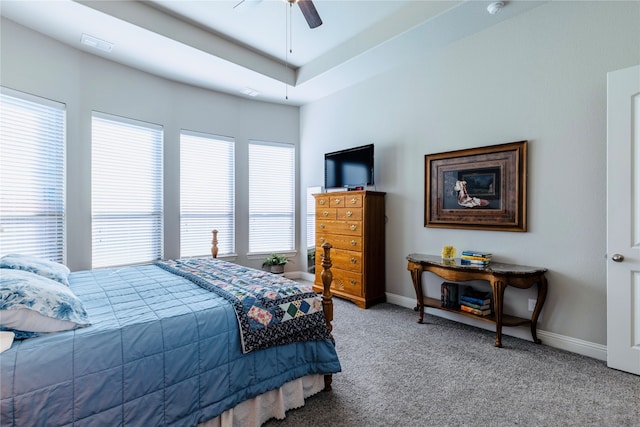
{"x": 309, "y": 277}
{"x": 574, "y": 345}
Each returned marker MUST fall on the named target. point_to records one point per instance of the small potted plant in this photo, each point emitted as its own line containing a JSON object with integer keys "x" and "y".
{"x": 275, "y": 263}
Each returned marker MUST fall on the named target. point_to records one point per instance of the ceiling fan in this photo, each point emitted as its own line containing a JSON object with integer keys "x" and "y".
{"x": 306, "y": 7}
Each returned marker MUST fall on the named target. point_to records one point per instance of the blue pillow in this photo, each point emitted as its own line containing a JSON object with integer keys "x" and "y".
{"x": 35, "y": 304}
{"x": 43, "y": 267}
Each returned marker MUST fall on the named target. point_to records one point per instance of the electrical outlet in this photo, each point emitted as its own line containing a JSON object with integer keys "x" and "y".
{"x": 532, "y": 304}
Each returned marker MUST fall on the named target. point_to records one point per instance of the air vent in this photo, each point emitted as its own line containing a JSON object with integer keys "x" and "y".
{"x": 96, "y": 43}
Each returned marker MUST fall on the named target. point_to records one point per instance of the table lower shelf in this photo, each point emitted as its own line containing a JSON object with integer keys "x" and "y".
{"x": 507, "y": 320}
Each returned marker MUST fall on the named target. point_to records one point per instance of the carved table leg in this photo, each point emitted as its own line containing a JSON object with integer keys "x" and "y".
{"x": 542, "y": 295}
{"x": 416, "y": 276}
{"x": 498, "y": 287}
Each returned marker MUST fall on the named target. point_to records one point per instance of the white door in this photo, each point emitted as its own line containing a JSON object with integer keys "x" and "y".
{"x": 623, "y": 220}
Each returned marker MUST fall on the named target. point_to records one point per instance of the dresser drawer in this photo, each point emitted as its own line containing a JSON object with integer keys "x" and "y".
{"x": 347, "y": 281}
{"x": 344, "y": 281}
{"x": 353, "y": 201}
{"x": 349, "y": 214}
{"x": 351, "y": 228}
{"x": 342, "y": 259}
{"x": 326, "y": 213}
{"x": 336, "y": 201}
{"x": 349, "y": 243}
{"x": 322, "y": 201}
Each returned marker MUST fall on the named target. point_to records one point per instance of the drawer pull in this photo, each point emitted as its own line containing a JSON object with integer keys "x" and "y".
{"x": 322, "y": 226}
{"x": 353, "y": 200}
{"x": 322, "y": 239}
{"x": 353, "y": 227}
{"x": 322, "y": 201}
{"x": 353, "y": 282}
{"x": 349, "y": 213}
{"x": 325, "y": 213}
{"x": 353, "y": 260}
{"x": 337, "y": 201}
{"x": 353, "y": 243}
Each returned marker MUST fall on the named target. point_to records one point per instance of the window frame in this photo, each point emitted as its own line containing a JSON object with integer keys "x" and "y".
{"x": 268, "y": 189}
{"x": 99, "y": 203}
{"x": 52, "y": 127}
{"x": 227, "y": 237}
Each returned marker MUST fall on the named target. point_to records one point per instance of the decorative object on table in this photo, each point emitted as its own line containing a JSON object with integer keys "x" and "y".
{"x": 448, "y": 253}
{"x": 275, "y": 263}
{"x": 475, "y": 258}
{"x": 479, "y": 188}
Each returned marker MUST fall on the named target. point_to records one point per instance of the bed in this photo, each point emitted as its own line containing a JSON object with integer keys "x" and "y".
{"x": 172, "y": 344}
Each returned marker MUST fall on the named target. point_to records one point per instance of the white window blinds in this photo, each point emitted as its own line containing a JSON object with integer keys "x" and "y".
{"x": 32, "y": 176}
{"x": 271, "y": 197}
{"x": 207, "y": 189}
{"x": 126, "y": 191}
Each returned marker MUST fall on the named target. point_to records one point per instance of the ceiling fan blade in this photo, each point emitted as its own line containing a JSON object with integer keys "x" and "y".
{"x": 310, "y": 13}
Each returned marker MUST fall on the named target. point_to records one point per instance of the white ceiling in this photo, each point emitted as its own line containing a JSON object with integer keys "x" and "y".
{"x": 213, "y": 45}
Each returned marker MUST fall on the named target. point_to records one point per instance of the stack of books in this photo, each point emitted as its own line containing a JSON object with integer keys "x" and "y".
{"x": 476, "y": 302}
{"x": 449, "y": 295}
{"x": 480, "y": 259}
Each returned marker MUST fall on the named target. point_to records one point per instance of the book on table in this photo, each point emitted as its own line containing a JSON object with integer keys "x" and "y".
{"x": 480, "y": 254}
{"x": 476, "y": 306}
{"x": 474, "y": 263}
{"x": 475, "y": 296}
{"x": 472, "y": 300}
{"x": 474, "y": 310}
{"x": 449, "y": 295}
{"x": 475, "y": 258}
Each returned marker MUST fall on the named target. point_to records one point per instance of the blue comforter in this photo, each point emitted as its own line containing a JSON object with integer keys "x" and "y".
{"x": 160, "y": 351}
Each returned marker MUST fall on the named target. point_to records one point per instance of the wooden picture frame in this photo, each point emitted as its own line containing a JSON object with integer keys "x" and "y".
{"x": 478, "y": 188}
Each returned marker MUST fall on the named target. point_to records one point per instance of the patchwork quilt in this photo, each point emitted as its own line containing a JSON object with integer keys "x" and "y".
{"x": 271, "y": 309}
{"x": 160, "y": 351}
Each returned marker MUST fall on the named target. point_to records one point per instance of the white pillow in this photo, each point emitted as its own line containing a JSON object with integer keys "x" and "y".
{"x": 33, "y": 303}
{"x": 43, "y": 267}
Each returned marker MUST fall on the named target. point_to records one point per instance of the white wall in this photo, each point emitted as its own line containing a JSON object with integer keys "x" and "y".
{"x": 38, "y": 65}
{"x": 539, "y": 77}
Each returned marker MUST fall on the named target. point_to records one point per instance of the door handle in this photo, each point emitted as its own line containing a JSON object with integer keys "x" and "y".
{"x": 617, "y": 257}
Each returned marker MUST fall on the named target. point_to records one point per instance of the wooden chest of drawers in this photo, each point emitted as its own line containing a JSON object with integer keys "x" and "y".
{"x": 353, "y": 222}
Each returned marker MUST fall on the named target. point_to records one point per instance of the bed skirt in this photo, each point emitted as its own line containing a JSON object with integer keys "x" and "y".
{"x": 272, "y": 404}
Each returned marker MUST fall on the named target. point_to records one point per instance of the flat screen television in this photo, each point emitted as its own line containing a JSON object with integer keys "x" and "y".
{"x": 350, "y": 168}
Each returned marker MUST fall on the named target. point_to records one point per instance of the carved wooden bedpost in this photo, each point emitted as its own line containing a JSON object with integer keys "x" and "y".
{"x": 214, "y": 244}
{"x": 327, "y": 301}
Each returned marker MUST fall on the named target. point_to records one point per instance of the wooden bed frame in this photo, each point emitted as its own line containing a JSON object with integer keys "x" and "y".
{"x": 327, "y": 296}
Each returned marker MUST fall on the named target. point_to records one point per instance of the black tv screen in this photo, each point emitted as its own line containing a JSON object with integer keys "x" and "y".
{"x": 349, "y": 168}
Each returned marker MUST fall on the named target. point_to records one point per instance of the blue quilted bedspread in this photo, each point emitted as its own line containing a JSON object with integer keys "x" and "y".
{"x": 160, "y": 351}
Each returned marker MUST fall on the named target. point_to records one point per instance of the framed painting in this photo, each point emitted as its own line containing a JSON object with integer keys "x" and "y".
{"x": 478, "y": 188}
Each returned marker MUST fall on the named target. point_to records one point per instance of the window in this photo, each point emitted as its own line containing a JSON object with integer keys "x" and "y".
{"x": 271, "y": 197}
{"x": 32, "y": 176}
{"x": 126, "y": 191}
{"x": 207, "y": 188}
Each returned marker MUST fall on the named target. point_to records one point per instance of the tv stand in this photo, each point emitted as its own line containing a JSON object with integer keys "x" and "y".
{"x": 499, "y": 275}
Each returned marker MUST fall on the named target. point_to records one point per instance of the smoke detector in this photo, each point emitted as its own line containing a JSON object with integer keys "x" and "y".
{"x": 495, "y": 7}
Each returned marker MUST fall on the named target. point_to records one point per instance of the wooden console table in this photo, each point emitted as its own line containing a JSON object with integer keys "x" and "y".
{"x": 499, "y": 275}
